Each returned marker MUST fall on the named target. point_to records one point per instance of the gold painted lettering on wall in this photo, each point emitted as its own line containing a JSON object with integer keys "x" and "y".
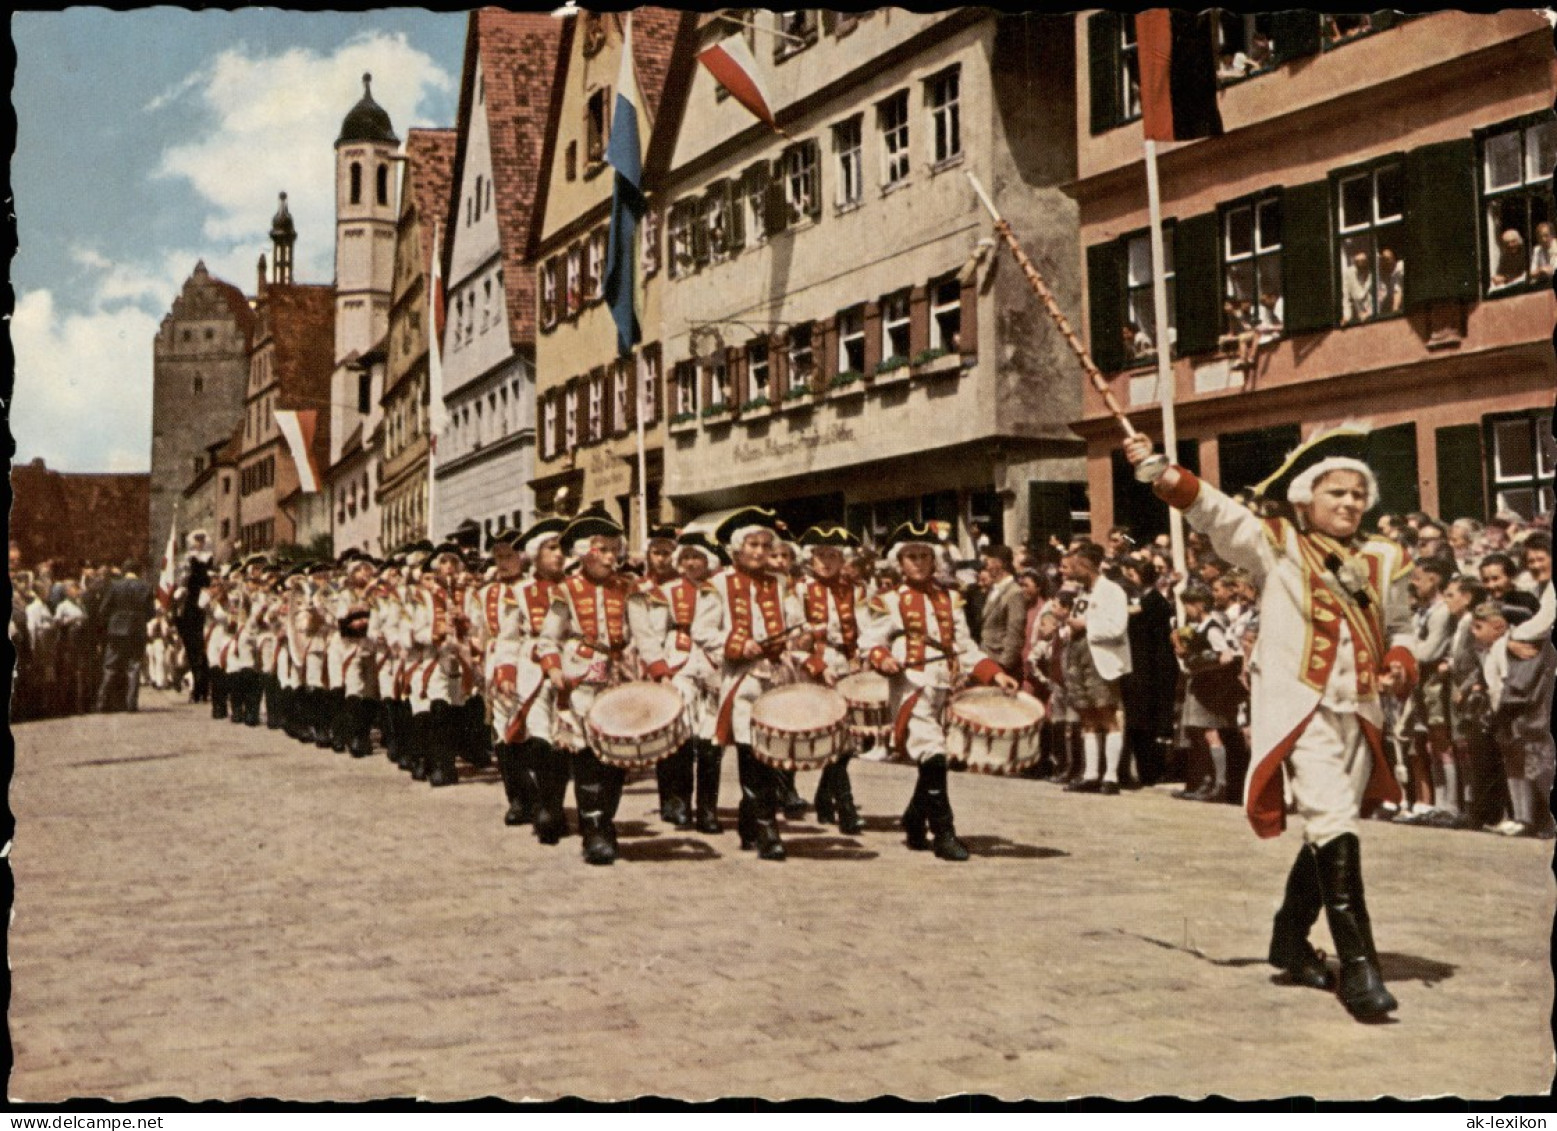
{"x": 772, "y": 448}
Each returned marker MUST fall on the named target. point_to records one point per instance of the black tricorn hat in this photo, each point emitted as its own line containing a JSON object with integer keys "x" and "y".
{"x": 545, "y": 528}
{"x": 1344, "y": 442}
{"x": 698, "y": 540}
{"x": 741, "y": 519}
{"x": 593, "y": 523}
{"x": 908, "y": 533}
{"x": 665, "y": 532}
{"x": 829, "y": 535}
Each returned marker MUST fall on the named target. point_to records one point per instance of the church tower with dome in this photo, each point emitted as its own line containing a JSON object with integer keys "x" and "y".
{"x": 366, "y": 187}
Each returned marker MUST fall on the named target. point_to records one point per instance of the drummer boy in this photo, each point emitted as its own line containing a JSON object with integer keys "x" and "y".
{"x": 918, "y": 637}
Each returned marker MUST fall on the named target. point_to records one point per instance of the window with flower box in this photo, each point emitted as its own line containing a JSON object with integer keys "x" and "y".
{"x": 851, "y": 340}
{"x": 946, "y": 314}
{"x": 802, "y": 359}
{"x": 894, "y": 328}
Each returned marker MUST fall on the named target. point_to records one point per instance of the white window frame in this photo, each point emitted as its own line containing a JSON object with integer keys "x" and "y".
{"x": 802, "y": 355}
{"x": 759, "y": 373}
{"x": 549, "y": 293}
{"x": 686, "y": 382}
{"x": 649, "y": 388}
{"x": 619, "y": 373}
{"x": 575, "y": 279}
{"x": 594, "y": 424}
{"x": 849, "y": 161}
{"x": 594, "y": 281}
{"x": 940, "y": 306}
{"x": 678, "y": 245}
{"x": 943, "y": 97}
{"x": 1139, "y": 306}
{"x": 649, "y": 234}
{"x": 892, "y": 125}
{"x": 801, "y": 180}
{"x": 570, "y": 418}
{"x": 718, "y": 382}
{"x": 895, "y": 316}
{"x": 851, "y": 333}
{"x": 753, "y": 189}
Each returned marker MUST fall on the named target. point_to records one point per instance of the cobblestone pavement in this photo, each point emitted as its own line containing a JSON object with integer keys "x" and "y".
{"x": 211, "y": 911}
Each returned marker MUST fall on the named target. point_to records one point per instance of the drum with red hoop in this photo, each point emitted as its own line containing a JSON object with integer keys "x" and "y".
{"x": 800, "y": 726}
{"x": 637, "y": 724}
{"x": 868, "y": 696}
{"x": 992, "y": 732}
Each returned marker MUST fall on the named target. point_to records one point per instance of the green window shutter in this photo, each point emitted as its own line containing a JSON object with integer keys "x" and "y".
{"x": 1308, "y": 258}
{"x": 1460, "y": 490}
{"x": 1441, "y": 256}
{"x": 1198, "y": 279}
{"x": 1392, "y": 455}
{"x": 1294, "y": 34}
{"x": 1103, "y": 31}
{"x": 1105, "y": 286}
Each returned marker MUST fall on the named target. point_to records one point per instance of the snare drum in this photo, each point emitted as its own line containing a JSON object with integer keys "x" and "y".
{"x": 637, "y": 724}
{"x": 868, "y": 697}
{"x": 993, "y": 732}
{"x": 800, "y": 726}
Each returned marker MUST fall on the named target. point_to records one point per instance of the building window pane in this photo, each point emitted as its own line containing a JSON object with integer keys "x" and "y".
{"x": 1517, "y": 203}
{"x": 945, "y": 115}
{"x": 1373, "y": 271}
{"x": 892, "y": 120}
{"x": 1140, "y": 310}
{"x": 851, "y": 340}
{"x": 946, "y": 314}
{"x": 894, "y": 326}
{"x": 846, "y": 150}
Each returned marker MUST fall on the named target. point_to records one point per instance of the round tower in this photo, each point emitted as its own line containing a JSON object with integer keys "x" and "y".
{"x": 365, "y": 211}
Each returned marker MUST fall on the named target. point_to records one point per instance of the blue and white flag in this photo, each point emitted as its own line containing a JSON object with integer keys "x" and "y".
{"x": 624, "y": 155}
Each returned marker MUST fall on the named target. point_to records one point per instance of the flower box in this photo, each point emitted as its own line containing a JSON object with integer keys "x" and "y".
{"x": 934, "y": 363}
{"x": 890, "y": 371}
{"x": 849, "y": 383}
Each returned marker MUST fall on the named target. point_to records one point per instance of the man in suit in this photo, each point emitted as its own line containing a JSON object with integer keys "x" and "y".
{"x": 127, "y": 606}
{"x": 1003, "y": 620}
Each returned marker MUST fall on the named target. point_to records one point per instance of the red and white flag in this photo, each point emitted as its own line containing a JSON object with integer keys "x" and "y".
{"x": 298, "y": 427}
{"x": 167, "y": 578}
{"x": 731, "y": 63}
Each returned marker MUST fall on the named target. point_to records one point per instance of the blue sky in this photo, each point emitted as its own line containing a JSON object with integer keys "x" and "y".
{"x": 148, "y": 140}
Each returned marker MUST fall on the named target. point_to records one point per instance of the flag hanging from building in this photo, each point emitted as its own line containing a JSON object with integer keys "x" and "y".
{"x": 731, "y": 63}
{"x": 167, "y": 577}
{"x": 298, "y": 426}
{"x": 1177, "y": 55}
{"x": 624, "y": 155}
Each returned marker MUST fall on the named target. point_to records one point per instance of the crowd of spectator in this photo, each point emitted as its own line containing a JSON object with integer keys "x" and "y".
{"x": 87, "y": 640}
{"x": 1471, "y": 747}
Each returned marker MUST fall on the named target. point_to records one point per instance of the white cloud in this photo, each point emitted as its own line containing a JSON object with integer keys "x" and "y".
{"x": 82, "y": 398}
{"x": 273, "y": 120}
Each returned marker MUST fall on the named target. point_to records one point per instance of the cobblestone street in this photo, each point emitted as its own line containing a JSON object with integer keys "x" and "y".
{"x": 210, "y": 911}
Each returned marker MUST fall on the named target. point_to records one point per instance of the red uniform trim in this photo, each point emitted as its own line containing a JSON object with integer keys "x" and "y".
{"x": 1182, "y": 494}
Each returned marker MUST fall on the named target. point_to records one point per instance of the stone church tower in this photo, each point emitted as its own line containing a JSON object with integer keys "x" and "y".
{"x": 200, "y": 366}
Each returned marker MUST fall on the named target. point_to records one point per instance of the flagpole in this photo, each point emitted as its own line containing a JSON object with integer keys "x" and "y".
{"x": 643, "y": 460}
{"x": 1163, "y": 343}
{"x": 434, "y": 379}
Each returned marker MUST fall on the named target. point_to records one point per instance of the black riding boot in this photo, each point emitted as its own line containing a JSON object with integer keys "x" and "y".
{"x": 273, "y": 719}
{"x": 404, "y": 734}
{"x": 760, "y": 785}
{"x": 592, "y": 792}
{"x": 477, "y": 746}
{"x": 826, "y": 799}
{"x": 849, "y": 822}
{"x": 710, "y": 759}
{"x": 360, "y": 712}
{"x": 340, "y": 721}
{"x": 419, "y": 746}
{"x": 510, "y": 763}
{"x": 1290, "y": 949}
{"x": 789, "y": 798}
{"x": 444, "y": 738}
{"x": 914, "y": 818}
{"x": 1340, "y": 883}
{"x": 938, "y": 811}
{"x": 324, "y": 718}
{"x": 218, "y": 693}
{"x": 673, "y": 775}
{"x": 550, "y": 767}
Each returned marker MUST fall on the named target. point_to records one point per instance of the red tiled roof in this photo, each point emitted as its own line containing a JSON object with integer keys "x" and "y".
{"x": 430, "y": 172}
{"x": 302, "y": 323}
{"x": 79, "y": 518}
{"x": 520, "y": 60}
{"x": 238, "y": 303}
